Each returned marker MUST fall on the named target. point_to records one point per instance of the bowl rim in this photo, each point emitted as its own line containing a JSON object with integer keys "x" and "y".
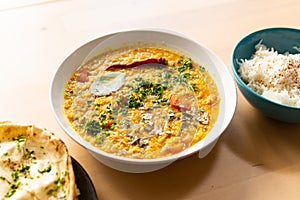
{"x": 235, "y": 67}
{"x": 224, "y": 122}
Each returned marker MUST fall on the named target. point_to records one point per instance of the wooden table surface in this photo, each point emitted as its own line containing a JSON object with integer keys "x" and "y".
{"x": 256, "y": 157}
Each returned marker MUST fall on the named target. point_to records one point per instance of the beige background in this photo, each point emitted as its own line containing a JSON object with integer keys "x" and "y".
{"x": 256, "y": 157}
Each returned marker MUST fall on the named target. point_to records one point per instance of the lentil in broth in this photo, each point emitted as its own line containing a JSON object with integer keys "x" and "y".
{"x": 143, "y": 102}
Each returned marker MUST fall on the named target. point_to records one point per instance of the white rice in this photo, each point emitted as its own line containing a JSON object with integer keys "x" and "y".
{"x": 273, "y": 75}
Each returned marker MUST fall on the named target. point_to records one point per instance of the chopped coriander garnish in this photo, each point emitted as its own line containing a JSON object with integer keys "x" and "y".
{"x": 24, "y": 168}
{"x": 186, "y": 65}
{"x": 15, "y": 176}
{"x": 92, "y": 127}
{"x": 12, "y": 189}
{"x": 134, "y": 102}
{"x": 201, "y": 68}
{"x": 28, "y": 154}
{"x": 143, "y": 88}
{"x": 47, "y": 169}
{"x": 59, "y": 183}
{"x": 18, "y": 140}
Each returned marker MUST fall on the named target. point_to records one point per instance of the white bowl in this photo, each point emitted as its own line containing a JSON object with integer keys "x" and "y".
{"x": 170, "y": 39}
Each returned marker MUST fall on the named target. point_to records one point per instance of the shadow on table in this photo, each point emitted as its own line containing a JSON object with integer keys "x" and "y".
{"x": 173, "y": 182}
{"x": 262, "y": 141}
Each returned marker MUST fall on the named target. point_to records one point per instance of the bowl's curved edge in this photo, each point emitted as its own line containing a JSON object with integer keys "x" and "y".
{"x": 255, "y": 99}
{"x": 56, "y": 108}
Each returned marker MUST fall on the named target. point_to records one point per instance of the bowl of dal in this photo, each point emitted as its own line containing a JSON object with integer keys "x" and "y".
{"x": 140, "y": 99}
{"x": 266, "y": 68}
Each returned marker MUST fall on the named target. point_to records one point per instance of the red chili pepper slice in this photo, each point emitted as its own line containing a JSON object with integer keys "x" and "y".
{"x": 138, "y": 63}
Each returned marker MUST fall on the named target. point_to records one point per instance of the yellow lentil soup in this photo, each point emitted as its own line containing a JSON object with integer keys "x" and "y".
{"x": 143, "y": 102}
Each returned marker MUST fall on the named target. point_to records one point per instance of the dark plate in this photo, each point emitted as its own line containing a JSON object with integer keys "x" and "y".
{"x": 84, "y": 183}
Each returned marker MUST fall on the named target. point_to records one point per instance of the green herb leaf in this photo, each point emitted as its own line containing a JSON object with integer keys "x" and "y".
{"x": 15, "y": 176}
{"x": 186, "y": 65}
{"x": 47, "y": 169}
{"x": 92, "y": 127}
{"x": 12, "y": 189}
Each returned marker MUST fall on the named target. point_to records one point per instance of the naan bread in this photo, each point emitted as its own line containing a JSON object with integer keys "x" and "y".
{"x": 34, "y": 164}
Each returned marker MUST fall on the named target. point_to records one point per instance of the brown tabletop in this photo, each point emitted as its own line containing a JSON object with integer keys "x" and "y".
{"x": 256, "y": 157}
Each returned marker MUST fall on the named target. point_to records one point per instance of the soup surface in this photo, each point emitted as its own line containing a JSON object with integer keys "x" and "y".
{"x": 143, "y": 102}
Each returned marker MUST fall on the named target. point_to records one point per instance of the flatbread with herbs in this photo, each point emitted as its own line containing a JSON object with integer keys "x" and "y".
{"x": 34, "y": 164}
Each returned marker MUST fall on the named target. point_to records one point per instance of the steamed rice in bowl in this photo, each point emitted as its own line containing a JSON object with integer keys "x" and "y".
{"x": 273, "y": 75}
{"x": 141, "y": 102}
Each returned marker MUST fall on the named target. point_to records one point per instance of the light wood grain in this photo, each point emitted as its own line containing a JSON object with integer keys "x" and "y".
{"x": 256, "y": 159}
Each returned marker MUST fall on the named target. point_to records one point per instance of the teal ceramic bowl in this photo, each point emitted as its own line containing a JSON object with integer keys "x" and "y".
{"x": 282, "y": 40}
